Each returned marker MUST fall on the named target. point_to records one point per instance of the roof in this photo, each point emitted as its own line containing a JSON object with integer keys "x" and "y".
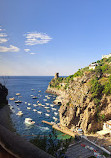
{"x": 109, "y": 122}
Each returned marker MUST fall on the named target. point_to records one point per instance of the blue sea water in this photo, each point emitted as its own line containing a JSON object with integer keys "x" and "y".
{"x": 23, "y": 85}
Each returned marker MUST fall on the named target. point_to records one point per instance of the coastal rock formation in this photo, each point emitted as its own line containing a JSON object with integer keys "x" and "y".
{"x": 78, "y": 109}
{"x": 3, "y": 95}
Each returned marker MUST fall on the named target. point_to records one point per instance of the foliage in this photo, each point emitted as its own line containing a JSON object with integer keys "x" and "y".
{"x": 96, "y": 88}
{"x": 52, "y": 145}
{"x": 78, "y": 73}
{"x": 107, "y": 87}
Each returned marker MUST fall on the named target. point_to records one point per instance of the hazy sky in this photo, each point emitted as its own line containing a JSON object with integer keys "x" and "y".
{"x": 41, "y": 37}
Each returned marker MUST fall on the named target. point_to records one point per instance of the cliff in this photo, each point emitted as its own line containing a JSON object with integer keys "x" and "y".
{"x": 85, "y": 97}
{"x": 3, "y": 95}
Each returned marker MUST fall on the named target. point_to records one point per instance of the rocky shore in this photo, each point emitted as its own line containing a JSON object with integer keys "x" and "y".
{"x": 78, "y": 109}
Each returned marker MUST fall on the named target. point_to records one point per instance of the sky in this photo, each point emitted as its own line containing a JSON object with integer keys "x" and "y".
{"x": 42, "y": 37}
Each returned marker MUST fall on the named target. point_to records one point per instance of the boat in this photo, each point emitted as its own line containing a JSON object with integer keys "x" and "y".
{"x": 46, "y": 107}
{"x": 29, "y": 104}
{"x": 55, "y": 113}
{"x": 47, "y": 114}
{"x": 39, "y": 91}
{"x": 54, "y": 109}
{"x": 17, "y": 93}
{"x": 40, "y": 104}
{"x": 43, "y": 105}
{"x": 20, "y": 96}
{"x": 34, "y": 110}
{"x": 37, "y": 101}
{"x": 35, "y": 105}
{"x": 39, "y": 112}
{"x": 48, "y": 97}
{"x": 51, "y": 105}
{"x": 17, "y": 104}
{"x": 45, "y": 99}
{"x": 32, "y": 89}
{"x": 29, "y": 121}
{"x": 55, "y": 118}
{"x": 28, "y": 108}
{"x": 47, "y": 103}
{"x": 19, "y": 113}
{"x": 34, "y": 97}
{"x": 12, "y": 98}
{"x": 18, "y": 101}
{"x": 31, "y": 95}
{"x": 25, "y": 102}
{"x": 48, "y": 110}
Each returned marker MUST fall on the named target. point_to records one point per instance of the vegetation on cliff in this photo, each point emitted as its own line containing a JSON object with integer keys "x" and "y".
{"x": 3, "y": 95}
{"x": 88, "y": 93}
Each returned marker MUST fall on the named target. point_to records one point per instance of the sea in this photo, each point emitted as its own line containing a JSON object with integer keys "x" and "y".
{"x": 29, "y": 86}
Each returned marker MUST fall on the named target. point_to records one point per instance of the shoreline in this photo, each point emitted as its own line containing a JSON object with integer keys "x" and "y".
{"x": 5, "y": 119}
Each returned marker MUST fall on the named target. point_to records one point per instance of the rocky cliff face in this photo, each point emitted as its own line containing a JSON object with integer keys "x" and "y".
{"x": 3, "y": 95}
{"x": 78, "y": 109}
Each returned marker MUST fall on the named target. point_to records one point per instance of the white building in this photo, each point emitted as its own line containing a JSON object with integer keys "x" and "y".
{"x": 107, "y": 125}
{"x": 92, "y": 66}
{"x": 106, "y": 56}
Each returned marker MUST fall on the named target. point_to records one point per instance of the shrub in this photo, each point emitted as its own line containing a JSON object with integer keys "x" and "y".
{"x": 107, "y": 87}
{"x": 96, "y": 88}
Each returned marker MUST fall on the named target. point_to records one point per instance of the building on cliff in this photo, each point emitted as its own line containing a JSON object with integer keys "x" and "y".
{"x": 93, "y": 66}
{"x": 106, "y": 56}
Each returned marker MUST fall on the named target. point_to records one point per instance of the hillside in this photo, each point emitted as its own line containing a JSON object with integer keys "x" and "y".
{"x": 85, "y": 97}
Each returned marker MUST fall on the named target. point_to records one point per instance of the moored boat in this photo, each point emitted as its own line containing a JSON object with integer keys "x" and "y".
{"x": 19, "y": 113}
{"x": 29, "y": 121}
{"x": 17, "y": 93}
{"x": 18, "y": 101}
{"x": 12, "y": 98}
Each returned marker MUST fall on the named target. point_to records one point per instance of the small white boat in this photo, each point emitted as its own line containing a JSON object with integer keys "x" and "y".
{"x": 55, "y": 113}
{"x": 34, "y": 97}
{"x": 39, "y": 91}
{"x": 46, "y": 107}
{"x": 11, "y": 107}
{"x": 32, "y": 89}
{"x": 34, "y": 110}
{"x": 48, "y": 97}
{"x": 39, "y": 112}
{"x": 35, "y": 105}
{"x": 17, "y": 104}
{"x": 18, "y": 101}
{"x": 47, "y": 114}
{"x": 48, "y": 110}
{"x": 28, "y": 108}
{"x": 45, "y": 99}
{"x": 12, "y": 98}
{"x": 31, "y": 95}
{"x": 51, "y": 105}
{"x": 39, "y": 104}
{"x": 38, "y": 101}
{"x": 17, "y": 93}
{"x": 47, "y": 103}
{"x": 55, "y": 118}
{"x": 25, "y": 102}
{"x": 29, "y": 104}
{"x": 54, "y": 109}
{"x": 43, "y": 105}
{"x": 19, "y": 113}
{"x": 29, "y": 121}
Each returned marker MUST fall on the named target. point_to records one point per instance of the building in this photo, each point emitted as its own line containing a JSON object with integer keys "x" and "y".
{"x": 107, "y": 125}
{"x": 92, "y": 66}
{"x": 106, "y": 56}
{"x": 106, "y": 129}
